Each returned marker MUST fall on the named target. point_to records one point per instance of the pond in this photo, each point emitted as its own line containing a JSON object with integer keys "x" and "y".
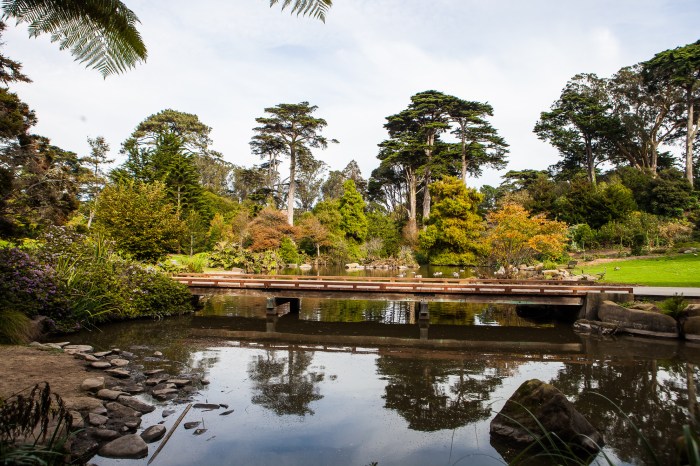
{"x": 349, "y": 382}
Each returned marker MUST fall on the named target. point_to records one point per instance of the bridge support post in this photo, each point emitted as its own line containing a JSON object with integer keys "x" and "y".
{"x": 423, "y": 326}
{"x": 271, "y": 306}
{"x": 271, "y": 323}
{"x": 423, "y": 313}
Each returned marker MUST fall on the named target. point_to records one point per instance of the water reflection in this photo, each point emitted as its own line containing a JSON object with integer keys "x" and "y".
{"x": 283, "y": 383}
{"x": 435, "y": 394}
{"x": 301, "y": 401}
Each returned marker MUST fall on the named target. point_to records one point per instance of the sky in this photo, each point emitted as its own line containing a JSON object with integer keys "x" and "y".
{"x": 226, "y": 61}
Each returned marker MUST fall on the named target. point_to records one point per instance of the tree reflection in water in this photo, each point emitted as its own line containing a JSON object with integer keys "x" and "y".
{"x": 285, "y": 385}
{"x": 440, "y": 394}
{"x": 655, "y": 394}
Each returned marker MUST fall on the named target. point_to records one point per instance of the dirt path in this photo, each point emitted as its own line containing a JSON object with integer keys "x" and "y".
{"x": 21, "y": 367}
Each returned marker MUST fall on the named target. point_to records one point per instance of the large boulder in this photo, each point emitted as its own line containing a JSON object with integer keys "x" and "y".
{"x": 129, "y": 446}
{"x": 535, "y": 403}
{"x": 638, "y": 322}
{"x": 691, "y": 328}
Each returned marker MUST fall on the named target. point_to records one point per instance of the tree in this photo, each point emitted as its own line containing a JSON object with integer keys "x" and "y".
{"x": 578, "y": 121}
{"x": 267, "y": 230}
{"x": 96, "y": 177}
{"x": 425, "y": 119}
{"x": 140, "y": 219}
{"x": 291, "y": 128}
{"x": 480, "y": 144}
{"x": 313, "y": 232}
{"x": 315, "y": 8}
{"x": 452, "y": 234}
{"x": 353, "y": 221}
{"x": 515, "y": 237}
{"x": 333, "y": 187}
{"x": 681, "y": 68}
{"x": 309, "y": 181}
{"x": 101, "y": 34}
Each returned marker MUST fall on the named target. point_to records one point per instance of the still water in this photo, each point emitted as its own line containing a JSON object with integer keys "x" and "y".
{"x": 347, "y": 382}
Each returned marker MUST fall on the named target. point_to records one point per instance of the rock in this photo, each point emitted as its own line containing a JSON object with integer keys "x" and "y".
{"x": 104, "y": 434}
{"x": 132, "y": 423}
{"x": 102, "y": 354}
{"x": 132, "y": 389}
{"x": 53, "y": 346}
{"x": 191, "y": 425}
{"x": 116, "y": 350}
{"x": 180, "y": 382}
{"x": 205, "y": 382}
{"x": 594, "y": 326}
{"x": 163, "y": 394}
{"x": 157, "y": 354}
{"x": 107, "y": 394}
{"x": 136, "y": 404}
{"x": 638, "y": 322}
{"x": 82, "y": 448}
{"x": 62, "y": 343}
{"x": 153, "y": 433}
{"x": 691, "y": 328}
{"x": 650, "y": 307}
{"x": 41, "y": 346}
{"x": 206, "y": 406}
{"x": 130, "y": 446}
{"x": 77, "y": 421}
{"x": 226, "y": 413}
{"x": 126, "y": 354}
{"x": 83, "y": 403}
{"x": 199, "y": 431}
{"x": 154, "y": 381}
{"x": 168, "y": 412}
{"x": 86, "y": 357}
{"x": 100, "y": 364}
{"x": 117, "y": 362}
{"x": 549, "y": 407}
{"x": 119, "y": 410}
{"x": 693, "y": 310}
{"x": 119, "y": 373}
{"x": 153, "y": 372}
{"x": 97, "y": 419}
{"x": 101, "y": 410}
{"x": 72, "y": 349}
{"x": 92, "y": 384}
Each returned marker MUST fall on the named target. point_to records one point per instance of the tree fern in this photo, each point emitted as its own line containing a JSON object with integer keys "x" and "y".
{"x": 101, "y": 34}
{"x": 314, "y": 8}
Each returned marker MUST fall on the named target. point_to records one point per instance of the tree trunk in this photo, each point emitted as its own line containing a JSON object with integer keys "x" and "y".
{"x": 464, "y": 158}
{"x": 426, "y": 195}
{"x": 590, "y": 162}
{"x": 292, "y": 186}
{"x": 689, "y": 138}
{"x": 412, "y": 226}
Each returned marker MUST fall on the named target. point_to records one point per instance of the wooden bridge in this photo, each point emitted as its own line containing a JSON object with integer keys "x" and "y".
{"x": 541, "y": 292}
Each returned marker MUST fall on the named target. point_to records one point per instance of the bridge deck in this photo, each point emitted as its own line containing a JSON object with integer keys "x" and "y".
{"x": 510, "y": 291}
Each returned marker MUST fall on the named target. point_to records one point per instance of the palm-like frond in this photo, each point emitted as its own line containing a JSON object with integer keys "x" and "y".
{"x": 100, "y": 33}
{"x": 314, "y": 8}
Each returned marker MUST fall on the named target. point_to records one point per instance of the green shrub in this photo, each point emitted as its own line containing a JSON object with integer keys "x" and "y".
{"x": 674, "y": 306}
{"x": 288, "y": 251}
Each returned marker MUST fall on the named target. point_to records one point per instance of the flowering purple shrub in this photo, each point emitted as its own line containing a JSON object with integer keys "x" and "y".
{"x": 29, "y": 286}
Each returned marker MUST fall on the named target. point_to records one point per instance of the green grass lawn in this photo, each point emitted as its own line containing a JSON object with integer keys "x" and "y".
{"x": 679, "y": 270}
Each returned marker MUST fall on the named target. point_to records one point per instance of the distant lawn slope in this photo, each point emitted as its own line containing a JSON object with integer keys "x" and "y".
{"x": 679, "y": 270}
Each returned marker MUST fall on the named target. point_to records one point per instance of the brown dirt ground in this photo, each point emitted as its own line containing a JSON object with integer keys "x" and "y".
{"x": 21, "y": 367}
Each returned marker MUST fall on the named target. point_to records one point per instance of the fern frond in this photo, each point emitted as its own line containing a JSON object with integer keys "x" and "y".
{"x": 101, "y": 34}
{"x": 314, "y": 8}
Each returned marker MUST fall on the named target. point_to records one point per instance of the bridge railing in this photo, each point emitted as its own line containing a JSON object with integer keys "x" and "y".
{"x": 384, "y": 284}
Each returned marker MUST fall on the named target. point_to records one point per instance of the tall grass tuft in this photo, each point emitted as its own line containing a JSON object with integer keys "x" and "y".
{"x": 15, "y": 327}
{"x": 34, "y": 428}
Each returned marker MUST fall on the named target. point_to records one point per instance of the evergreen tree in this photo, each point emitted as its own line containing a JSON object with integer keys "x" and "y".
{"x": 453, "y": 233}
{"x": 353, "y": 220}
